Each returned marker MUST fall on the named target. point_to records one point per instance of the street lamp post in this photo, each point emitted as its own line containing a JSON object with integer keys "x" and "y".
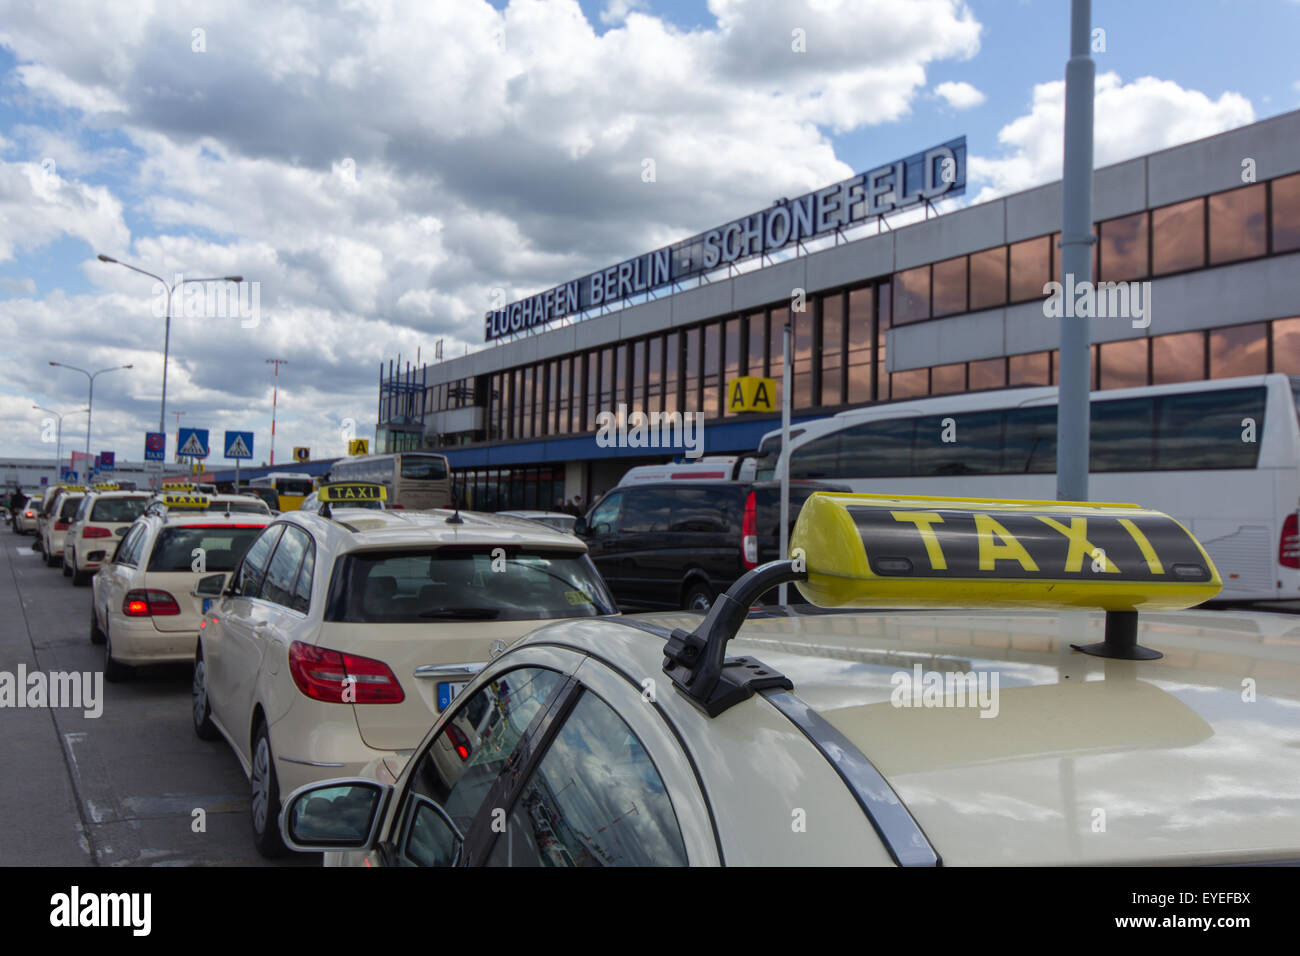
{"x": 58, "y": 446}
{"x": 90, "y": 404}
{"x": 167, "y": 329}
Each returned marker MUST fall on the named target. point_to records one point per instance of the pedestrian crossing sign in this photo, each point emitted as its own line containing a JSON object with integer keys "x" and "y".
{"x": 239, "y": 444}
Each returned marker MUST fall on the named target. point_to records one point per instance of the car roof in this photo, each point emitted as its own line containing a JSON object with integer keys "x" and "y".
{"x": 1160, "y": 747}
{"x": 350, "y": 529}
{"x": 194, "y": 516}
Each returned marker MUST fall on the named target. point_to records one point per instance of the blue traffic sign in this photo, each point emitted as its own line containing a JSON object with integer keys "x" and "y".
{"x": 155, "y": 446}
{"x": 107, "y": 460}
{"x": 239, "y": 444}
{"x": 67, "y": 474}
{"x": 192, "y": 442}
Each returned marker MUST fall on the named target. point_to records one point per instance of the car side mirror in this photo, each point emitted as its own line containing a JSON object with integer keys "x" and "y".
{"x": 580, "y": 527}
{"x": 334, "y": 815}
{"x": 211, "y": 586}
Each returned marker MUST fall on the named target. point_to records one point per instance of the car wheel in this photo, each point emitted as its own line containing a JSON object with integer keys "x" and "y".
{"x": 204, "y": 728}
{"x": 114, "y": 671}
{"x": 96, "y": 635}
{"x": 50, "y": 560}
{"x": 265, "y": 802}
{"x": 67, "y": 569}
{"x": 81, "y": 578}
{"x": 699, "y": 597}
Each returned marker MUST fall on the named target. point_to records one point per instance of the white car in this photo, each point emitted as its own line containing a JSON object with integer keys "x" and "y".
{"x": 102, "y": 518}
{"x": 341, "y": 637}
{"x": 144, "y": 608}
{"x": 976, "y": 736}
{"x": 56, "y": 518}
{"x": 27, "y": 518}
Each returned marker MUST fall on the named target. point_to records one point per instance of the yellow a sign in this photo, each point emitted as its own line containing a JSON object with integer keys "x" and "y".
{"x": 359, "y": 446}
{"x": 750, "y": 393}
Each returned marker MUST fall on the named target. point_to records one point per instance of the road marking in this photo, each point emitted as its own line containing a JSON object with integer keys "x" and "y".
{"x": 26, "y": 550}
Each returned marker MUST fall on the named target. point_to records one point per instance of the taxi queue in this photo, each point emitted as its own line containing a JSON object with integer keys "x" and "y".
{"x": 450, "y": 688}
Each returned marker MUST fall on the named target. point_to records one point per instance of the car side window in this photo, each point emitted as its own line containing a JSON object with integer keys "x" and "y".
{"x": 595, "y": 799}
{"x": 282, "y": 572}
{"x": 249, "y": 574}
{"x": 606, "y": 513}
{"x": 457, "y": 770}
{"x": 301, "y": 600}
{"x": 130, "y": 544}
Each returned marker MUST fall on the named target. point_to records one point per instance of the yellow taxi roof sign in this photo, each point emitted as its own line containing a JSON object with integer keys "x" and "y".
{"x": 185, "y": 500}
{"x": 340, "y": 492}
{"x": 919, "y": 551}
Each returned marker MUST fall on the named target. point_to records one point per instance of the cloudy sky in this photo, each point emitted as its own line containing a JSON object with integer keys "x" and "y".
{"x": 379, "y": 167}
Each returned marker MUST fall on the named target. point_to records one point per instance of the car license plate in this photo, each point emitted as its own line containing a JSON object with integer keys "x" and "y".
{"x": 207, "y": 603}
{"x": 447, "y": 691}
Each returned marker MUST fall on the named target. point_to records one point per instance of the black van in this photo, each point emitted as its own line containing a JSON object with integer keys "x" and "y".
{"x": 679, "y": 544}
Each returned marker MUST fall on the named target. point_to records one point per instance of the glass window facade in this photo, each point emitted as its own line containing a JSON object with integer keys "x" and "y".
{"x": 1178, "y": 237}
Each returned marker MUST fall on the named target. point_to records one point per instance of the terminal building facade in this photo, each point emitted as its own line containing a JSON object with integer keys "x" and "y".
{"x": 954, "y": 303}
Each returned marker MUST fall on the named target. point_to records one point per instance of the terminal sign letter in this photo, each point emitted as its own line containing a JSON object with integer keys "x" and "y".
{"x": 751, "y": 393}
{"x": 359, "y": 446}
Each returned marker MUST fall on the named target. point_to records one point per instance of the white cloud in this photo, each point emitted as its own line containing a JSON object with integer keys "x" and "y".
{"x": 616, "y": 11}
{"x": 1128, "y": 120}
{"x": 960, "y": 95}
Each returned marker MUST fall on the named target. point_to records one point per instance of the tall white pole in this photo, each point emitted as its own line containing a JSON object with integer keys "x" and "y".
{"x": 784, "y": 458}
{"x": 1072, "y": 410}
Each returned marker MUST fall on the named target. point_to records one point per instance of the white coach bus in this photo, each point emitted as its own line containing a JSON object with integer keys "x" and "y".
{"x": 1223, "y": 457}
{"x": 415, "y": 479}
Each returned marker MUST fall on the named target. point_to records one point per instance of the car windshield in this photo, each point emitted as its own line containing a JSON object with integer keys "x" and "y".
{"x": 111, "y": 510}
{"x": 222, "y": 547}
{"x": 501, "y": 584}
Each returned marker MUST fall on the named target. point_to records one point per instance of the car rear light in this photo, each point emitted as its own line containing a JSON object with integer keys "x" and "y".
{"x": 749, "y": 533}
{"x": 323, "y": 674}
{"x": 31, "y": 514}
{"x": 1288, "y": 547}
{"x": 459, "y": 741}
{"x": 89, "y": 532}
{"x": 142, "y": 602}
{"x": 60, "y": 526}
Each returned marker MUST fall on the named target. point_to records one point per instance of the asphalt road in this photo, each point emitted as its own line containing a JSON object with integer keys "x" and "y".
{"x": 120, "y": 789}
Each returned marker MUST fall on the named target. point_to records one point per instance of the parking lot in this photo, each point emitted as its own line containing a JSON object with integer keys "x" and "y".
{"x": 131, "y": 787}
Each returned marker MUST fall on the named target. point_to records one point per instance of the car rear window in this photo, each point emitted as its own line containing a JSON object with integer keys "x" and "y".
{"x": 111, "y": 510}
{"x": 714, "y": 508}
{"x": 459, "y": 584}
{"x": 69, "y": 507}
{"x": 223, "y": 546}
{"x": 242, "y": 507}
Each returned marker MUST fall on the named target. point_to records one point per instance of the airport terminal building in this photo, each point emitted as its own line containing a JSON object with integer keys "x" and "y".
{"x": 945, "y": 304}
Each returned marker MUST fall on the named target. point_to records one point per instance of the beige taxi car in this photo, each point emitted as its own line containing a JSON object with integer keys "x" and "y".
{"x": 56, "y": 517}
{"x": 144, "y": 609}
{"x": 103, "y": 517}
{"x": 1044, "y": 703}
{"x": 343, "y": 634}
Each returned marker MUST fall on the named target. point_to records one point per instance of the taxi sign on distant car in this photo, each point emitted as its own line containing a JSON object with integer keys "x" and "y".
{"x": 186, "y": 500}
{"x": 344, "y": 491}
{"x": 916, "y": 551}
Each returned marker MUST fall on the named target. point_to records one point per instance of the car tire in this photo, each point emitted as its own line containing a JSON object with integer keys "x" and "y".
{"x": 698, "y": 597}
{"x": 264, "y": 802}
{"x": 96, "y": 635}
{"x": 81, "y": 578}
{"x": 201, "y": 710}
{"x": 67, "y": 569}
{"x": 50, "y": 560}
{"x": 114, "y": 671}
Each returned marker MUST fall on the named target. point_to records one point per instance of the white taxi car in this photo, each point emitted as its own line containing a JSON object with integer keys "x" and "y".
{"x": 26, "y": 519}
{"x": 342, "y": 635}
{"x": 56, "y": 518}
{"x": 143, "y": 606}
{"x": 102, "y": 518}
{"x": 965, "y": 737}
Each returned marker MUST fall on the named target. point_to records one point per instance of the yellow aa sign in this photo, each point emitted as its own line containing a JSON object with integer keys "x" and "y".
{"x": 749, "y": 393}
{"x": 359, "y": 446}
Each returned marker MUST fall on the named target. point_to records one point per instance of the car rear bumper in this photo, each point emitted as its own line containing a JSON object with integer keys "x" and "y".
{"x": 139, "y": 642}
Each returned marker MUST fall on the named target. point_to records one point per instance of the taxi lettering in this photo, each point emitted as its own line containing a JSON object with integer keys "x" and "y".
{"x": 970, "y": 543}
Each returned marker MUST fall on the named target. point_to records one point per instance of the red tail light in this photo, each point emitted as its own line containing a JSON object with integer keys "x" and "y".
{"x": 142, "y": 602}
{"x": 60, "y": 526}
{"x": 1288, "y": 547}
{"x": 459, "y": 741}
{"x": 749, "y": 533}
{"x": 90, "y": 532}
{"x": 31, "y": 514}
{"x": 322, "y": 674}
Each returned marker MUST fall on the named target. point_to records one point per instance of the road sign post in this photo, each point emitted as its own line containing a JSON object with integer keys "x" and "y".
{"x": 238, "y": 445}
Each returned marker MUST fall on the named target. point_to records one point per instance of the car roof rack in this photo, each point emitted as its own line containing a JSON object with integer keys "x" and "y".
{"x": 697, "y": 662}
